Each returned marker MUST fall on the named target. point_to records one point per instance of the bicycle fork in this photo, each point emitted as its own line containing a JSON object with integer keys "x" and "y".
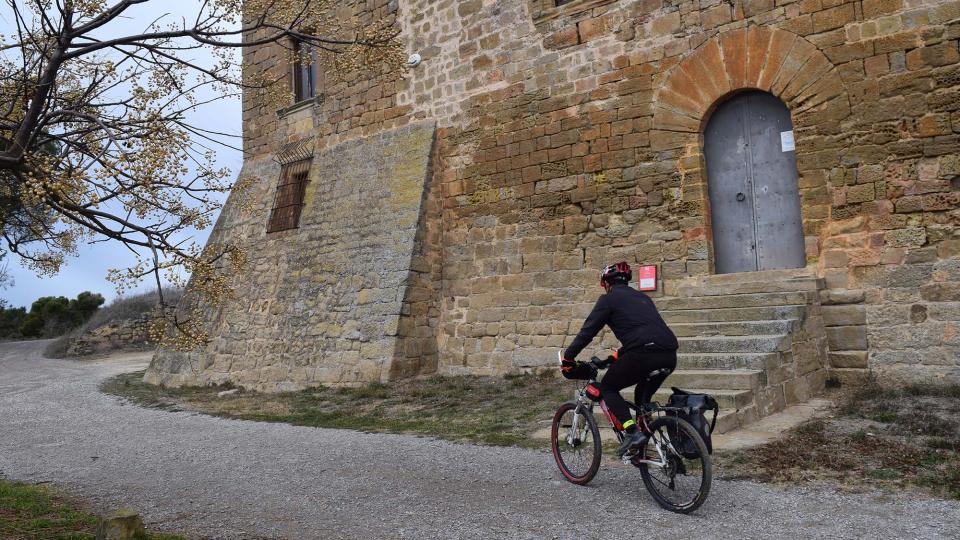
{"x": 575, "y": 427}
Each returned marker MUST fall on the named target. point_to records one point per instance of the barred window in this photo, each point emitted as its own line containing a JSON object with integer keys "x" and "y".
{"x": 288, "y": 202}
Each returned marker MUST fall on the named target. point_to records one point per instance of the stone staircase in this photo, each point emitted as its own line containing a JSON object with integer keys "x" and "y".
{"x": 755, "y": 341}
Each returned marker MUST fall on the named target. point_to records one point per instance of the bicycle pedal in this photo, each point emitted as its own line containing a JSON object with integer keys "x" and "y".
{"x": 627, "y": 458}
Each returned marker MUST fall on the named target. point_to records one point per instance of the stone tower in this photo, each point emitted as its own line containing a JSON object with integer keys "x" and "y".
{"x": 790, "y": 168}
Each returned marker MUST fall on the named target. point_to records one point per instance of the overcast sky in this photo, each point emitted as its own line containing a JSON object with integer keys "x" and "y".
{"x": 87, "y": 271}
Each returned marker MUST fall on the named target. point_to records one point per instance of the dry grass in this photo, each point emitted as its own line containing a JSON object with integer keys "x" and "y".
{"x": 877, "y": 437}
{"x": 483, "y": 410}
{"x": 880, "y": 436}
{"x": 33, "y": 512}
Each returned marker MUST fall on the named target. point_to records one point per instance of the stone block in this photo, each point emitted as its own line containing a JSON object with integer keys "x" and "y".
{"x": 921, "y": 255}
{"x": 848, "y": 359}
{"x": 756, "y": 7}
{"x": 829, "y": 19}
{"x": 944, "y": 311}
{"x": 123, "y": 524}
{"x": 931, "y": 125}
{"x": 803, "y": 388}
{"x": 939, "y": 356}
{"x": 847, "y": 338}
{"x": 844, "y": 315}
{"x": 912, "y": 337}
{"x": 770, "y": 400}
{"x": 716, "y": 16}
{"x": 590, "y": 29}
{"x": 948, "y": 248}
{"x": 562, "y": 39}
{"x": 876, "y": 8}
{"x": 840, "y": 296}
{"x": 910, "y": 237}
{"x": 849, "y": 376}
{"x": 941, "y": 292}
{"x": 878, "y": 359}
{"x": 860, "y": 193}
{"x": 944, "y": 54}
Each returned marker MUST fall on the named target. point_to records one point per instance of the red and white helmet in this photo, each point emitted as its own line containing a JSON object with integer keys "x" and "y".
{"x": 620, "y": 270}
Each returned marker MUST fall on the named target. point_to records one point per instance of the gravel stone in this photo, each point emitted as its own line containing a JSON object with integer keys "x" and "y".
{"x": 219, "y": 478}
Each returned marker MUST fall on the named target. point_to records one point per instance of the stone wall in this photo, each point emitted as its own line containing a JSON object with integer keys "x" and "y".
{"x": 350, "y": 105}
{"x": 571, "y": 137}
{"x": 339, "y": 299}
{"x": 574, "y": 140}
{"x": 122, "y": 335}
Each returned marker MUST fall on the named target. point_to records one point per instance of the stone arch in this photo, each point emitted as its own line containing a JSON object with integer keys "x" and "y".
{"x": 754, "y": 58}
{"x": 759, "y": 57}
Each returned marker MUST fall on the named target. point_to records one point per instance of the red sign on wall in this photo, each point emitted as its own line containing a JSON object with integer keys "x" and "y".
{"x": 647, "y": 278}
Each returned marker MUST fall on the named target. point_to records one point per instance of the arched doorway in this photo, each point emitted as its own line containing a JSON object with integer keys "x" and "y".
{"x": 752, "y": 183}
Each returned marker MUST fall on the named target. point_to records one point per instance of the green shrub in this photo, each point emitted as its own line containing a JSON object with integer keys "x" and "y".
{"x": 10, "y": 321}
{"x": 49, "y": 316}
{"x": 52, "y": 316}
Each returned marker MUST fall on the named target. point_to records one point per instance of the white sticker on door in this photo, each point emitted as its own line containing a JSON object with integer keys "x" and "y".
{"x": 786, "y": 141}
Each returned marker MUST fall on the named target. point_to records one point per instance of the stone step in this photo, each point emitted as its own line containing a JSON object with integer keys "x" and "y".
{"x": 721, "y": 379}
{"x": 759, "y": 313}
{"x": 727, "y": 399}
{"x": 738, "y": 360}
{"x": 788, "y": 274}
{"x": 726, "y": 344}
{"x": 734, "y": 301}
{"x": 799, "y": 279}
{"x": 733, "y": 328}
{"x": 727, "y": 421}
{"x": 751, "y": 287}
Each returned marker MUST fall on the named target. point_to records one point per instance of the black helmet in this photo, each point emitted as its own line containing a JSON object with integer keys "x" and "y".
{"x": 615, "y": 272}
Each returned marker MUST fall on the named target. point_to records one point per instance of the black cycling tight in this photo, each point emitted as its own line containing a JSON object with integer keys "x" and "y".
{"x": 633, "y": 368}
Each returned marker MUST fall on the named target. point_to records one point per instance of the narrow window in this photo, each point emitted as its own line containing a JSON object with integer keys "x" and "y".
{"x": 562, "y": 2}
{"x": 305, "y": 73}
{"x": 288, "y": 202}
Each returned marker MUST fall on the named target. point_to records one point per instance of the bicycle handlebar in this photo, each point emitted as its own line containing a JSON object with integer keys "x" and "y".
{"x": 600, "y": 364}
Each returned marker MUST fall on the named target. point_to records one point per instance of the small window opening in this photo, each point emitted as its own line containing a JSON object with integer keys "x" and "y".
{"x": 288, "y": 203}
{"x": 306, "y": 80}
{"x": 563, "y": 2}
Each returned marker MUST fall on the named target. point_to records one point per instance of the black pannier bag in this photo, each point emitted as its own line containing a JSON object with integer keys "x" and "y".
{"x": 694, "y": 406}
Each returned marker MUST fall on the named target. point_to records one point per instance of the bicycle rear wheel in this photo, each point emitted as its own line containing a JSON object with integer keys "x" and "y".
{"x": 683, "y": 483}
{"x": 576, "y": 449}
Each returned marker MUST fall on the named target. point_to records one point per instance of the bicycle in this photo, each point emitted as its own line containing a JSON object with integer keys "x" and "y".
{"x": 662, "y": 466}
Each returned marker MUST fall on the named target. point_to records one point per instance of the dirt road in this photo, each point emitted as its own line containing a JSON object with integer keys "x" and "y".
{"x": 220, "y": 478}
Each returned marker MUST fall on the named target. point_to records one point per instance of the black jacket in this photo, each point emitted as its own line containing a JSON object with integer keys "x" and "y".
{"x": 632, "y": 317}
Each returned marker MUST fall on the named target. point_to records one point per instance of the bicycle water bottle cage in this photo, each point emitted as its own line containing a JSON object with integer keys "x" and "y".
{"x": 592, "y": 391}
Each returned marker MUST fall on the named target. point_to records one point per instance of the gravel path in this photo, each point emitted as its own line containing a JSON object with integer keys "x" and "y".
{"x": 220, "y": 478}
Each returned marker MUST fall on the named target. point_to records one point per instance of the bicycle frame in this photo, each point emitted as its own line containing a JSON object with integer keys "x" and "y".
{"x": 582, "y": 401}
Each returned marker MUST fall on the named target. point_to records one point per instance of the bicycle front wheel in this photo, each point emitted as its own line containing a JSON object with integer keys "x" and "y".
{"x": 575, "y": 443}
{"x": 681, "y": 480}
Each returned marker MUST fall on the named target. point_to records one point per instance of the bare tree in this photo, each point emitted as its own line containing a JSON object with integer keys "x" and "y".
{"x": 95, "y": 138}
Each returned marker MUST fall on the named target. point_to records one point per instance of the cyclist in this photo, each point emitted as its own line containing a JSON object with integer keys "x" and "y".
{"x": 647, "y": 345}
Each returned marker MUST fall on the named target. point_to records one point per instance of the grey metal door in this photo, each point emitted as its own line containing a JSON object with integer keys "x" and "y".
{"x": 752, "y": 179}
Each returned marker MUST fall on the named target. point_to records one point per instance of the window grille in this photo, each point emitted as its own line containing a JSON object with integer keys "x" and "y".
{"x": 288, "y": 202}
